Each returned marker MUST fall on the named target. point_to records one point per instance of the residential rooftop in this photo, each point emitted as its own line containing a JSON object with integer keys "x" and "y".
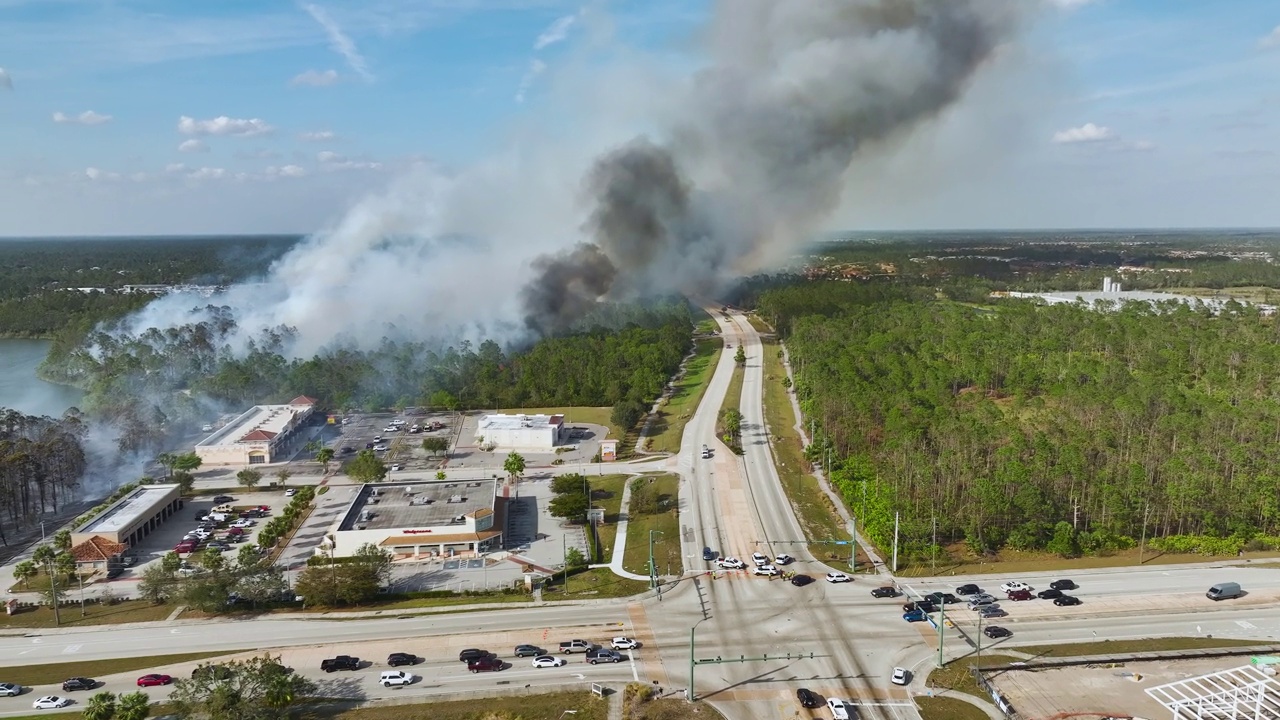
{"x": 128, "y": 509}
{"x": 419, "y": 504}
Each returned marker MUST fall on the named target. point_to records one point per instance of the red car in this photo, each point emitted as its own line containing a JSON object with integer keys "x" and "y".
{"x": 264, "y": 508}
{"x": 152, "y": 680}
{"x": 235, "y": 531}
{"x": 184, "y": 547}
{"x": 1021, "y": 595}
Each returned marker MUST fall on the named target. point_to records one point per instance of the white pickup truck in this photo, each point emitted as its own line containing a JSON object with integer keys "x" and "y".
{"x": 576, "y": 646}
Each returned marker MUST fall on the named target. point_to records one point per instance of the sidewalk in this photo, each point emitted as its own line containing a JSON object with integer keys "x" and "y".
{"x": 620, "y": 543}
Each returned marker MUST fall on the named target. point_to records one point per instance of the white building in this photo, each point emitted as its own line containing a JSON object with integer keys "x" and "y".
{"x": 1115, "y": 293}
{"x": 131, "y": 518}
{"x": 535, "y": 433}
{"x": 420, "y": 520}
{"x": 262, "y": 434}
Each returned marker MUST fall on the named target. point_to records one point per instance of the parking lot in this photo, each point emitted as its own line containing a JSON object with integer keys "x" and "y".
{"x": 367, "y": 431}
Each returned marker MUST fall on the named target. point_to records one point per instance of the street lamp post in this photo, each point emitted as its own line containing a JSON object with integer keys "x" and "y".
{"x": 942, "y": 628}
{"x": 653, "y": 570}
{"x": 689, "y": 694}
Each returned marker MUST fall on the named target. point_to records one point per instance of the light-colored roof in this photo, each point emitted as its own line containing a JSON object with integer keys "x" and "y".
{"x": 272, "y": 420}
{"x": 433, "y": 538}
{"x": 140, "y": 503}
{"x": 420, "y": 504}
{"x": 97, "y": 549}
{"x": 514, "y": 422}
{"x": 1242, "y": 693}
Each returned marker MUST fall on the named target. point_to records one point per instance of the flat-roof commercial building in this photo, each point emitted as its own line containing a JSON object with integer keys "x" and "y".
{"x": 537, "y": 433}
{"x": 420, "y": 519}
{"x": 133, "y": 517}
{"x": 262, "y": 434}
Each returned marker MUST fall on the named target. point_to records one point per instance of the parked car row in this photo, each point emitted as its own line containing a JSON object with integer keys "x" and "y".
{"x": 205, "y": 534}
{"x": 480, "y": 660}
{"x": 74, "y": 684}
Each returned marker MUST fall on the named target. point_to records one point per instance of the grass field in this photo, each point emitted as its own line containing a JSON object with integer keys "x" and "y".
{"x": 125, "y": 611}
{"x": 945, "y": 708}
{"x": 956, "y": 675}
{"x": 606, "y": 492}
{"x": 549, "y": 705}
{"x": 759, "y": 324}
{"x": 668, "y": 426}
{"x": 593, "y": 415}
{"x": 666, "y": 547}
{"x": 54, "y": 673}
{"x": 591, "y": 584}
{"x": 1110, "y": 647}
{"x": 818, "y": 518}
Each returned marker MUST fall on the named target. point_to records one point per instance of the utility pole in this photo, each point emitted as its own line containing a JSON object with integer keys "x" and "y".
{"x": 653, "y": 570}
{"x": 942, "y": 629}
{"x": 564, "y": 550}
{"x": 1142, "y": 546}
{"x": 853, "y": 552}
{"x": 933, "y": 564}
{"x": 895, "y": 541}
{"x": 978, "y": 663}
{"x": 81, "y": 579}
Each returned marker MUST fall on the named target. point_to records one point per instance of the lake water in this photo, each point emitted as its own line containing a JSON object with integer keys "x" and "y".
{"x": 21, "y": 390}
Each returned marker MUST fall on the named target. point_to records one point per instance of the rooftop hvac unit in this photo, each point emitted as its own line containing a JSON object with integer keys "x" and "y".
{"x": 474, "y": 484}
{"x": 460, "y": 519}
{"x": 456, "y": 498}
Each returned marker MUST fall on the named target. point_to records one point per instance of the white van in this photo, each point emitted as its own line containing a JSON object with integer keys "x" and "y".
{"x": 1224, "y": 591}
{"x": 219, "y": 517}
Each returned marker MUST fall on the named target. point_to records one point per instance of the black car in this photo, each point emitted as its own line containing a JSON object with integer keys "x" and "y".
{"x": 115, "y": 571}
{"x": 1063, "y": 585}
{"x": 1066, "y": 600}
{"x": 809, "y": 698}
{"x": 942, "y": 598}
{"x": 708, "y": 554}
{"x": 884, "y": 592}
{"x": 398, "y": 659}
{"x": 969, "y": 589}
{"x": 995, "y": 631}
{"x": 529, "y": 651}
{"x": 922, "y": 605}
{"x": 801, "y": 580}
{"x": 471, "y": 654}
{"x": 78, "y": 683}
{"x": 1049, "y": 594}
{"x": 219, "y": 499}
{"x": 341, "y": 662}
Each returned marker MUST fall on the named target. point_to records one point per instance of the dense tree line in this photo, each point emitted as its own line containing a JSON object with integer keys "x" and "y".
{"x": 1032, "y": 427}
{"x": 41, "y": 461}
{"x": 170, "y": 380}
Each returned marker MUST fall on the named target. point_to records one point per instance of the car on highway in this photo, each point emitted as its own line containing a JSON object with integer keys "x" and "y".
{"x": 921, "y": 605}
{"x": 529, "y": 651}
{"x": 604, "y": 655}
{"x": 968, "y": 589}
{"x": 1021, "y": 595}
{"x": 992, "y": 611}
{"x": 396, "y": 659}
{"x": 573, "y": 646}
{"x": 764, "y": 570}
{"x": 839, "y": 577}
{"x": 470, "y": 654}
{"x": 800, "y": 580}
{"x": 980, "y": 600}
{"x": 708, "y": 554}
{"x": 51, "y": 702}
{"x": 544, "y": 661}
{"x": 839, "y": 708}
{"x": 809, "y": 698}
{"x": 995, "y": 631}
{"x": 1014, "y": 586}
{"x": 1050, "y": 594}
{"x": 942, "y": 598}
{"x": 783, "y": 559}
{"x": 759, "y": 559}
{"x": 10, "y": 690}
{"x": 154, "y": 680}
{"x": 624, "y": 643}
{"x": 396, "y": 678}
{"x": 914, "y": 616}
{"x": 486, "y": 664}
{"x": 900, "y": 676}
{"x": 731, "y": 563}
{"x": 340, "y": 662}
{"x": 1066, "y": 600}
{"x": 78, "y": 683}
{"x": 884, "y": 592}
{"x": 1064, "y": 585}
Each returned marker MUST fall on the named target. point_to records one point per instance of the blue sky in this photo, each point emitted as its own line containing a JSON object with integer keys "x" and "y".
{"x": 1142, "y": 113}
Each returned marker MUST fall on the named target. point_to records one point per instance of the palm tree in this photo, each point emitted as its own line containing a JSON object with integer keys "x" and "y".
{"x": 325, "y": 456}
{"x": 133, "y": 706}
{"x": 514, "y": 465}
{"x": 167, "y": 460}
{"x": 25, "y": 571}
{"x": 101, "y": 706}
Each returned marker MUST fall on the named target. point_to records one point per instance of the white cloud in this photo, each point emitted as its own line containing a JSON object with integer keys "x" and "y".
{"x": 207, "y": 173}
{"x": 1272, "y": 38}
{"x": 556, "y": 32}
{"x": 317, "y": 136}
{"x": 96, "y": 175}
{"x": 6, "y": 81}
{"x": 1084, "y": 134}
{"x": 327, "y": 156}
{"x": 175, "y": 167}
{"x": 88, "y": 117}
{"x": 339, "y": 41}
{"x": 536, "y": 68}
{"x": 353, "y": 165}
{"x": 315, "y": 78}
{"x": 223, "y": 125}
{"x": 286, "y": 171}
{"x": 193, "y": 146}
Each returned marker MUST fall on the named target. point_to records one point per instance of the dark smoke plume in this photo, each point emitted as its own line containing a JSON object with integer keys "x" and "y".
{"x": 769, "y": 128}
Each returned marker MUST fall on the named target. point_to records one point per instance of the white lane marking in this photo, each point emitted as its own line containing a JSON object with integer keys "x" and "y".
{"x": 37, "y": 641}
{"x": 71, "y": 649}
{"x": 635, "y": 673}
{"x": 880, "y": 704}
{"x": 175, "y": 631}
{"x": 1244, "y": 624}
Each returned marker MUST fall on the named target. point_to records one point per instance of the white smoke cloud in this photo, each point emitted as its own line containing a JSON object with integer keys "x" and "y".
{"x": 223, "y": 125}
{"x": 536, "y": 68}
{"x": 88, "y": 117}
{"x": 557, "y": 32}
{"x": 1086, "y": 133}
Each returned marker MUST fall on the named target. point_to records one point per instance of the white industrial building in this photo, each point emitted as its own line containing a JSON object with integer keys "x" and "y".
{"x": 535, "y": 433}
{"x": 262, "y": 434}
{"x": 1115, "y": 293}
{"x": 420, "y": 520}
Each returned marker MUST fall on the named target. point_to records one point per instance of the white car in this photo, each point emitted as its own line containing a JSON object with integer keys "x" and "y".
{"x": 624, "y": 643}
{"x": 243, "y": 523}
{"x": 784, "y": 560}
{"x": 389, "y": 429}
{"x": 899, "y": 676}
{"x": 764, "y": 570}
{"x": 839, "y": 708}
{"x": 396, "y": 678}
{"x": 838, "y": 577}
{"x": 548, "y": 661}
{"x": 759, "y": 559}
{"x": 1014, "y": 585}
{"x": 290, "y": 492}
{"x": 380, "y": 448}
{"x": 731, "y": 563}
{"x": 51, "y": 702}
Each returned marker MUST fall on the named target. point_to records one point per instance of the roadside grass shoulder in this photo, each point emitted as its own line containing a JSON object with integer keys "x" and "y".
{"x": 54, "y": 673}
{"x": 1009, "y": 561}
{"x": 547, "y": 705}
{"x": 946, "y": 708}
{"x": 124, "y": 611}
{"x": 759, "y": 324}
{"x": 668, "y": 426}
{"x": 1111, "y": 647}
{"x": 593, "y": 415}
{"x": 955, "y": 675}
{"x": 666, "y": 547}
{"x": 592, "y": 584}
